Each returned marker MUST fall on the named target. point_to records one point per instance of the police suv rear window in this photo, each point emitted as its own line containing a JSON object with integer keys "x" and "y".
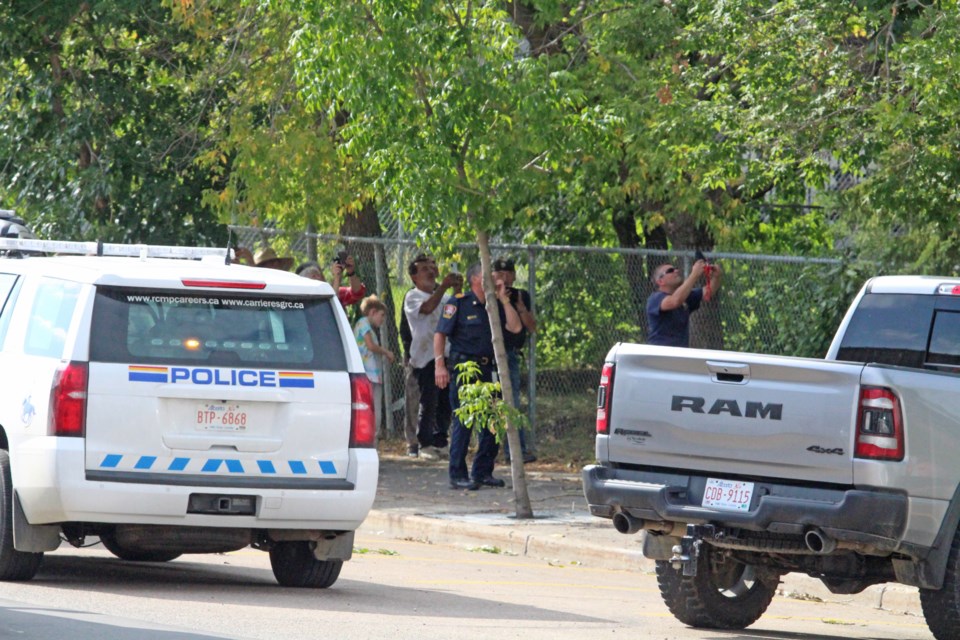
{"x": 151, "y": 326}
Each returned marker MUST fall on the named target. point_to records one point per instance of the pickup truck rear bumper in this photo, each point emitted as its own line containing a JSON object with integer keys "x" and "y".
{"x": 869, "y": 517}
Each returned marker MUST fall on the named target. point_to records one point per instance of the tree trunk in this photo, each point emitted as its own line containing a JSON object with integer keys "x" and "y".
{"x": 625, "y": 226}
{"x": 517, "y": 473}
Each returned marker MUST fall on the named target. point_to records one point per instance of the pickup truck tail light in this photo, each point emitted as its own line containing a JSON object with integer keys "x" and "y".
{"x": 879, "y": 425}
{"x": 68, "y": 401}
{"x": 363, "y": 422}
{"x": 605, "y": 398}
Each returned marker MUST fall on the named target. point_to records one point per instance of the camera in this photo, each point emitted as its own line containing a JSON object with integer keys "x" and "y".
{"x": 340, "y": 258}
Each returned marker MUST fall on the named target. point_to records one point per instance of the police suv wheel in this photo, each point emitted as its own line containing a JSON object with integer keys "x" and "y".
{"x": 14, "y": 565}
{"x": 294, "y": 565}
{"x": 725, "y": 594}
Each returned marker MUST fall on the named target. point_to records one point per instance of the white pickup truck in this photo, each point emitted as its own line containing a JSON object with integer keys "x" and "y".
{"x": 743, "y": 467}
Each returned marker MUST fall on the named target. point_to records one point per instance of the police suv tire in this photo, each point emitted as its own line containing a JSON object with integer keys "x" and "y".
{"x": 941, "y": 607}
{"x": 14, "y": 565}
{"x": 725, "y": 594}
{"x": 135, "y": 555}
{"x": 294, "y": 565}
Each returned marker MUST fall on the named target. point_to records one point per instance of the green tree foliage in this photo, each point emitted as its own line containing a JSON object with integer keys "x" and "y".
{"x": 455, "y": 124}
{"x": 869, "y": 85}
{"x": 103, "y": 114}
{"x": 480, "y": 403}
{"x": 272, "y": 160}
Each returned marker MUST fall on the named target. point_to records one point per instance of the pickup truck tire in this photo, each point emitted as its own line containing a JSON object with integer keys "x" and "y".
{"x": 294, "y": 565}
{"x": 725, "y": 593}
{"x": 135, "y": 555}
{"x": 14, "y": 565}
{"x": 941, "y": 607}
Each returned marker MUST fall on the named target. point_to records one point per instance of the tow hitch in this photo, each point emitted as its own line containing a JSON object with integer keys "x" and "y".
{"x": 686, "y": 553}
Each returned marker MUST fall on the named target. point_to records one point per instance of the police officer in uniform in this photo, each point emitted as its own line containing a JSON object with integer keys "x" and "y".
{"x": 464, "y": 322}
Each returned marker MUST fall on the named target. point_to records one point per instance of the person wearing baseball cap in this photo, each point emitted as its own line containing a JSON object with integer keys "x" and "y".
{"x": 504, "y": 268}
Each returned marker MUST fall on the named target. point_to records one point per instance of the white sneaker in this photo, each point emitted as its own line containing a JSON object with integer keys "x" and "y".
{"x": 429, "y": 453}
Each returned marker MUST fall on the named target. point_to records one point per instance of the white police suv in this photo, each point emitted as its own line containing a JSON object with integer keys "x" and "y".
{"x": 178, "y": 404}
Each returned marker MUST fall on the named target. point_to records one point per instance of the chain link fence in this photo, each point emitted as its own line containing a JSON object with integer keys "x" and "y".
{"x": 588, "y": 299}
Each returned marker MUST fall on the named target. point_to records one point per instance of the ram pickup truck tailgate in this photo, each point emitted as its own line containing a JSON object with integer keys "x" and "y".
{"x": 733, "y": 414}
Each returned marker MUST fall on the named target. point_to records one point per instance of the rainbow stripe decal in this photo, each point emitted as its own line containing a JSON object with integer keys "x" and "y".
{"x": 140, "y": 373}
{"x": 300, "y": 379}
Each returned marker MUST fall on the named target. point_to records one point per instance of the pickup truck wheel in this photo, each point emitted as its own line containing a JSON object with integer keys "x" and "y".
{"x": 294, "y": 565}
{"x": 941, "y": 607}
{"x": 14, "y": 565}
{"x": 725, "y": 593}
{"x": 135, "y": 555}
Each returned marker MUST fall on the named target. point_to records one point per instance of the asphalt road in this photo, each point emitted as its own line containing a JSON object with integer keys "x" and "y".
{"x": 391, "y": 589}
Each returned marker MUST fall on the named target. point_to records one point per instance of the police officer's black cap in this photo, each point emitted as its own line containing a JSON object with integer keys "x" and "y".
{"x": 504, "y": 264}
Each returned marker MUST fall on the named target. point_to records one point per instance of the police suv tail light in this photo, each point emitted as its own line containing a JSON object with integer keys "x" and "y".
{"x": 68, "y": 401}
{"x": 879, "y": 425}
{"x": 605, "y": 398}
{"x": 363, "y": 423}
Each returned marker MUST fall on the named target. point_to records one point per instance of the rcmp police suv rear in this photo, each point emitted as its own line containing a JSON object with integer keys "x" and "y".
{"x": 178, "y": 405}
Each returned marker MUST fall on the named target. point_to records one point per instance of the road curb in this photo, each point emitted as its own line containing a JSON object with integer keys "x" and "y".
{"x": 561, "y": 548}
{"x": 552, "y": 546}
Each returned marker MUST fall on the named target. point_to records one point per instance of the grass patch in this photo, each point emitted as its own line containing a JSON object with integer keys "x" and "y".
{"x": 383, "y": 552}
{"x": 566, "y": 430}
{"x": 492, "y": 550}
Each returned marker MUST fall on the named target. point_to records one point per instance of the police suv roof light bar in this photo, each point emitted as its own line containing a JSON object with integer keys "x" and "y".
{"x": 141, "y": 251}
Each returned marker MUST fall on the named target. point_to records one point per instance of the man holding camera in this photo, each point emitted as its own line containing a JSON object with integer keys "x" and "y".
{"x": 670, "y": 306}
{"x": 422, "y": 307}
{"x": 342, "y": 264}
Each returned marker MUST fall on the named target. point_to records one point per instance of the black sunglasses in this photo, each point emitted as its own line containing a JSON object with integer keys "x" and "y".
{"x": 668, "y": 271}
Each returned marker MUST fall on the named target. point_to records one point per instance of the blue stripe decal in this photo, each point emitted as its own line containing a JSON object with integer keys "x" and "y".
{"x": 302, "y": 384}
{"x": 217, "y": 465}
{"x": 266, "y": 466}
{"x": 297, "y": 467}
{"x": 133, "y": 376}
{"x": 145, "y": 462}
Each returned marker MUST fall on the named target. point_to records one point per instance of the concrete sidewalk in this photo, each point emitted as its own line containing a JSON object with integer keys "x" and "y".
{"x": 414, "y": 502}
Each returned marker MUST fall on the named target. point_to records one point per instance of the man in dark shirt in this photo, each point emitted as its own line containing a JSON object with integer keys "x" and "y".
{"x": 504, "y": 268}
{"x": 670, "y": 306}
{"x": 464, "y": 322}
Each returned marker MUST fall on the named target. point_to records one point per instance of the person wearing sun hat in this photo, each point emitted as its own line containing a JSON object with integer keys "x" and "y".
{"x": 268, "y": 259}
{"x": 265, "y": 257}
